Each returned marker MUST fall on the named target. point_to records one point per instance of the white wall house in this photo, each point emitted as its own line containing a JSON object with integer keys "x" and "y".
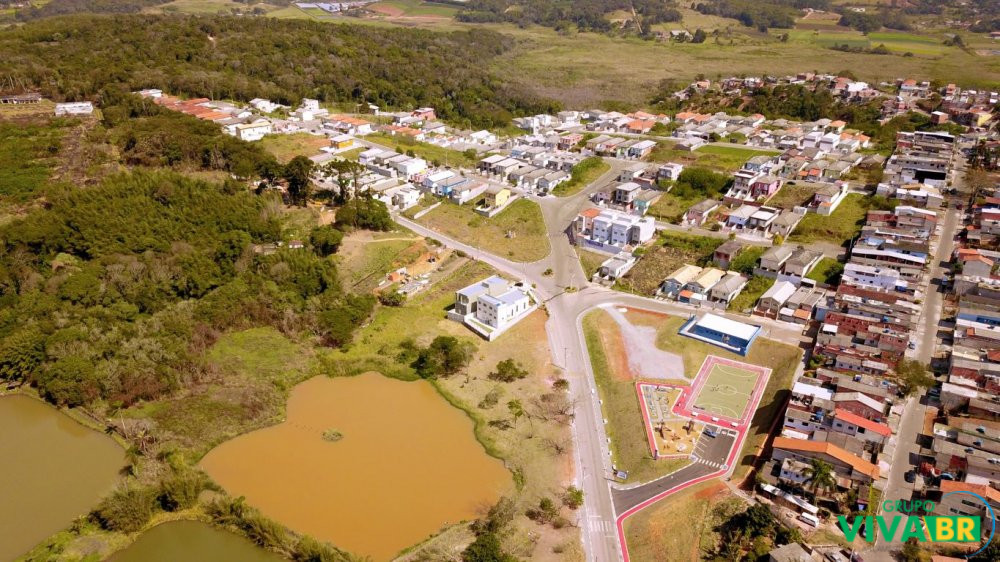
{"x": 75, "y": 108}
{"x": 253, "y": 131}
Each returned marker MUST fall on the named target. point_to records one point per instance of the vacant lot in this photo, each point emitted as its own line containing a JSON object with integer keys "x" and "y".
{"x": 584, "y": 174}
{"x": 671, "y": 208}
{"x": 827, "y": 271}
{"x": 433, "y": 154}
{"x": 682, "y": 526}
{"x": 669, "y": 252}
{"x": 747, "y": 298}
{"x": 626, "y": 429}
{"x": 364, "y": 259}
{"x": 517, "y": 233}
{"x": 412, "y": 8}
{"x": 839, "y": 227}
{"x": 590, "y": 261}
{"x": 286, "y": 147}
{"x": 792, "y": 195}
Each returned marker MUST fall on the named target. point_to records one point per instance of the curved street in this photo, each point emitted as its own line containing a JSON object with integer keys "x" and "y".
{"x": 568, "y": 296}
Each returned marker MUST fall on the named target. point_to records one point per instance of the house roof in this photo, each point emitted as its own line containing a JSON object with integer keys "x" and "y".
{"x": 982, "y": 489}
{"x": 859, "y": 421}
{"x": 727, "y": 326}
{"x": 855, "y": 462}
{"x": 590, "y": 213}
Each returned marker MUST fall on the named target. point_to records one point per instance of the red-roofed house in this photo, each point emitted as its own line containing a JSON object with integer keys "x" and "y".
{"x": 855, "y": 425}
{"x": 847, "y": 466}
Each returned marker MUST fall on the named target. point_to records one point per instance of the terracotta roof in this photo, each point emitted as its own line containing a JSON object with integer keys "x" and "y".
{"x": 859, "y": 421}
{"x": 857, "y": 463}
{"x": 590, "y": 213}
{"x": 987, "y": 492}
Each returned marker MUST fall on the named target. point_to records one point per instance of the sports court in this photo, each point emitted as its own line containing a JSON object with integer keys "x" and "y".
{"x": 727, "y": 388}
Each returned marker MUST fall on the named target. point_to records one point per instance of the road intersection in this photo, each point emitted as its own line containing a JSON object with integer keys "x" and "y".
{"x": 568, "y": 297}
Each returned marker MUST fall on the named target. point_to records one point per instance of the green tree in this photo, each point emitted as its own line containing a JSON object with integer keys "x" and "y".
{"x": 516, "y": 409}
{"x": 70, "y": 381}
{"x": 325, "y": 239}
{"x": 699, "y": 36}
{"x": 21, "y": 353}
{"x": 914, "y": 375}
{"x": 573, "y": 498}
{"x": 819, "y": 476}
{"x": 298, "y": 174}
{"x": 508, "y": 370}
{"x": 127, "y": 509}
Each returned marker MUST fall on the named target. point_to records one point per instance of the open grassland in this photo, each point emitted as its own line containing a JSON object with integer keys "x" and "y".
{"x": 682, "y": 527}
{"x": 625, "y": 428}
{"x": 286, "y": 147}
{"x": 586, "y": 69}
{"x": 517, "y": 233}
{"x": 839, "y": 227}
{"x": 671, "y": 208}
{"x": 783, "y": 360}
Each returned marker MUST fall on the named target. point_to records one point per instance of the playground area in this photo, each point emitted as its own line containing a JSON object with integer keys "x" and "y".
{"x": 669, "y": 435}
{"x": 726, "y": 388}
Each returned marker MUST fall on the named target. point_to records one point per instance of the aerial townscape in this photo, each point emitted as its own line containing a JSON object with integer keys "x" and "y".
{"x": 500, "y": 280}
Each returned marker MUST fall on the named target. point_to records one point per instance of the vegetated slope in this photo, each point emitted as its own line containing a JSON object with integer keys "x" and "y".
{"x": 590, "y": 15}
{"x": 75, "y": 57}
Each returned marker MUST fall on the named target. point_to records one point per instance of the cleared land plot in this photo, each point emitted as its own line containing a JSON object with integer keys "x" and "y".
{"x": 363, "y": 260}
{"x": 286, "y": 147}
{"x": 429, "y": 152}
{"x": 683, "y": 526}
{"x": 517, "y": 233}
{"x": 669, "y": 252}
{"x": 827, "y": 271}
{"x": 671, "y": 208}
{"x": 908, "y": 42}
{"x": 626, "y": 428}
{"x": 718, "y": 158}
{"x": 756, "y": 287}
{"x": 791, "y": 195}
{"x": 584, "y": 174}
{"x": 840, "y": 226}
{"x": 590, "y": 261}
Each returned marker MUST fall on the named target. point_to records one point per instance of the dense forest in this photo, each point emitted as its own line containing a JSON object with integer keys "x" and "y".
{"x": 76, "y": 57}
{"x": 587, "y": 15}
{"x": 761, "y": 14}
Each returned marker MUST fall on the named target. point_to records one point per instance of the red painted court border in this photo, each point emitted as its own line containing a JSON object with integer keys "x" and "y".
{"x": 741, "y": 431}
{"x": 645, "y": 416}
{"x": 701, "y": 378}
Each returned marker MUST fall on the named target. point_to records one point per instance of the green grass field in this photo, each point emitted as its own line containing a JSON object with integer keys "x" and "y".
{"x": 756, "y": 287}
{"x": 414, "y": 8}
{"x": 727, "y": 391}
{"x": 838, "y": 227}
{"x": 827, "y": 271}
{"x": 583, "y": 174}
{"x": 430, "y": 152}
{"x": 620, "y": 404}
{"x": 517, "y": 233}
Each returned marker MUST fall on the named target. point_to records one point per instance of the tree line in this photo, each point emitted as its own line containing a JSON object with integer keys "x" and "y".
{"x": 76, "y": 57}
{"x": 585, "y": 15}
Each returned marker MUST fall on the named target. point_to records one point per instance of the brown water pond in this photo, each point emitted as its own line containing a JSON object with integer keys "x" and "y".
{"x": 406, "y": 464}
{"x": 52, "y": 469}
{"x": 192, "y": 541}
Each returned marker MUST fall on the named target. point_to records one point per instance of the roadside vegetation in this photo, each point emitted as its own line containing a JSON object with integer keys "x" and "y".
{"x": 620, "y": 403}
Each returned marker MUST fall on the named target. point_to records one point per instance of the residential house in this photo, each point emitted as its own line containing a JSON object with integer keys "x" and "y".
{"x": 728, "y": 287}
{"x": 699, "y": 212}
{"x": 672, "y": 285}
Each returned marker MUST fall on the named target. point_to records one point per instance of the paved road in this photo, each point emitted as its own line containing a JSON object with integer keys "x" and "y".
{"x": 912, "y": 419}
{"x": 712, "y": 457}
{"x": 568, "y": 297}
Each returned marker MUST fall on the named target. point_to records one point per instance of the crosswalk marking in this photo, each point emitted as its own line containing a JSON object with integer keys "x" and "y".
{"x": 600, "y": 526}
